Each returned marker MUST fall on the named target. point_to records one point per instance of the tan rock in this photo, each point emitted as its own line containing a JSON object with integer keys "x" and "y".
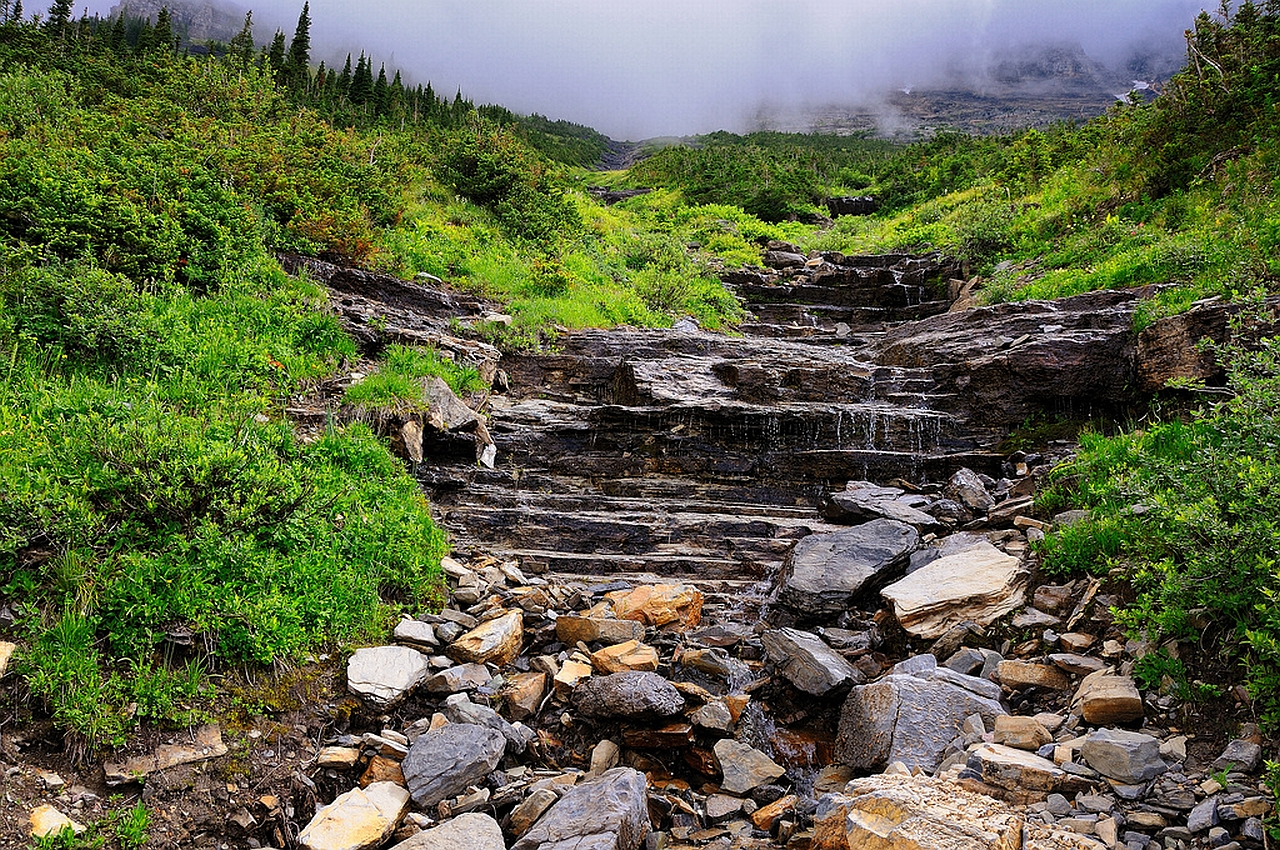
{"x": 6, "y": 652}
{"x": 496, "y": 641}
{"x": 571, "y": 628}
{"x": 659, "y": 604}
{"x": 1076, "y": 641}
{"x": 207, "y": 745}
{"x": 1016, "y": 770}
{"x": 339, "y": 758}
{"x": 1023, "y": 733}
{"x": 1106, "y": 699}
{"x": 631, "y": 655}
{"x": 47, "y": 821}
{"x": 358, "y": 819}
{"x": 382, "y": 769}
{"x": 604, "y": 756}
{"x": 470, "y": 831}
{"x": 523, "y": 693}
{"x": 764, "y": 817}
{"x": 571, "y": 672}
{"x": 902, "y": 812}
{"x": 523, "y": 816}
{"x": 1026, "y": 674}
{"x": 979, "y": 584}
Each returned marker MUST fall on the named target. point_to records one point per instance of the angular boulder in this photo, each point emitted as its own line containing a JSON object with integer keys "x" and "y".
{"x": 634, "y": 695}
{"x": 610, "y": 812}
{"x": 659, "y": 605}
{"x": 911, "y": 716}
{"x": 1129, "y": 758}
{"x": 358, "y": 819}
{"x": 862, "y": 501}
{"x": 744, "y": 767}
{"x": 1106, "y": 698}
{"x": 979, "y": 584}
{"x": 384, "y": 675}
{"x": 807, "y": 662}
{"x": 441, "y": 764}
{"x": 824, "y": 572}
{"x": 631, "y": 655}
{"x": 571, "y": 628}
{"x": 496, "y": 641}
{"x": 1016, "y": 770}
{"x": 471, "y": 831}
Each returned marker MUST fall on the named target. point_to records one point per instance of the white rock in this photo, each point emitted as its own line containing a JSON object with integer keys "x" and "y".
{"x": 384, "y": 675}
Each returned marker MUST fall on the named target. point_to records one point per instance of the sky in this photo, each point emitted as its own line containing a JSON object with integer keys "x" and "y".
{"x": 637, "y": 69}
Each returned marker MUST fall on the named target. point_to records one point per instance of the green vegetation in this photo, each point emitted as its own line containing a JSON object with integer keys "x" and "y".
{"x": 397, "y": 383}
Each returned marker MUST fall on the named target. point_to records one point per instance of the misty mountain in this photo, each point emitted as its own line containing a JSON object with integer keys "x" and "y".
{"x": 197, "y": 20}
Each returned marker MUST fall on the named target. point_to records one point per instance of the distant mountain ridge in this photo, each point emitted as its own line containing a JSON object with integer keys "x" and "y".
{"x": 197, "y": 20}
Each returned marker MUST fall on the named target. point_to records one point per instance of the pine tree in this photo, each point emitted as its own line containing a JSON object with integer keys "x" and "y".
{"x": 275, "y": 55}
{"x": 117, "y": 40}
{"x": 297, "y": 64}
{"x": 4, "y": 11}
{"x": 59, "y": 17}
{"x": 362, "y": 82}
{"x": 146, "y": 38}
{"x": 242, "y": 42}
{"x": 381, "y": 93}
{"x": 163, "y": 34}
{"x": 344, "y": 81}
{"x": 17, "y": 12}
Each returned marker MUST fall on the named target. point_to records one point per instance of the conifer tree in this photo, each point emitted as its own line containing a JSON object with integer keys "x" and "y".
{"x": 59, "y": 17}
{"x": 297, "y": 64}
{"x": 146, "y": 38}
{"x": 381, "y": 93}
{"x": 275, "y": 54}
{"x": 242, "y": 43}
{"x": 117, "y": 40}
{"x": 344, "y": 80}
{"x": 162, "y": 36}
{"x": 362, "y": 82}
{"x": 17, "y": 12}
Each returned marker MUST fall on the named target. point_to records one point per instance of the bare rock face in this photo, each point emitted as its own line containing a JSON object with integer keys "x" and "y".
{"x": 825, "y": 571}
{"x": 979, "y": 584}
{"x": 807, "y": 662}
{"x": 443, "y": 763}
{"x": 894, "y": 812}
{"x": 633, "y": 695}
{"x": 911, "y": 717}
{"x": 610, "y": 812}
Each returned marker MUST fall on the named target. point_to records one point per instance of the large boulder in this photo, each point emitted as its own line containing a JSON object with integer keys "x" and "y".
{"x": 979, "y": 584}
{"x": 807, "y": 662}
{"x": 633, "y": 695}
{"x": 441, "y": 764}
{"x": 675, "y": 605}
{"x": 825, "y": 571}
{"x": 911, "y": 717}
{"x": 610, "y": 812}
{"x": 862, "y": 501}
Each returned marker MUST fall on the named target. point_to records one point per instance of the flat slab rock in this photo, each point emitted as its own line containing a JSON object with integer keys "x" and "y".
{"x": 980, "y": 584}
{"x": 384, "y": 675}
{"x": 206, "y": 743}
{"x": 610, "y": 812}
{"x": 825, "y": 571}
{"x": 441, "y": 764}
{"x": 894, "y": 812}
{"x": 472, "y": 831}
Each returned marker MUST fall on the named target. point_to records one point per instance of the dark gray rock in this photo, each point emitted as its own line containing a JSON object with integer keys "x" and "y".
{"x": 807, "y": 662}
{"x": 610, "y": 812}
{"x": 443, "y": 763}
{"x": 1130, "y": 758}
{"x": 967, "y": 488}
{"x": 862, "y": 501}
{"x": 459, "y": 709}
{"x": 1240, "y": 756}
{"x": 825, "y": 571}
{"x": 632, "y": 695}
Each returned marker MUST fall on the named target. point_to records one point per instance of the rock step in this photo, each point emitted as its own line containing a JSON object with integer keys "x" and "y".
{"x": 665, "y": 566}
{"x": 575, "y": 498}
{"x": 859, "y": 317}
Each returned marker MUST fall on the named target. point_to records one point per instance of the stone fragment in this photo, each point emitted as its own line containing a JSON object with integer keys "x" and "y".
{"x": 862, "y": 501}
{"x": 807, "y": 662}
{"x": 609, "y": 812}
{"x": 458, "y": 678}
{"x": 443, "y": 762}
{"x": 672, "y": 736}
{"x": 1019, "y": 675}
{"x": 659, "y": 605}
{"x": 415, "y": 633}
{"x": 1076, "y": 641}
{"x": 1032, "y": 618}
{"x": 1080, "y": 665}
{"x": 631, "y": 655}
{"x": 497, "y": 641}
{"x": 1106, "y": 698}
{"x": 604, "y": 756}
{"x": 6, "y": 652}
{"x": 471, "y": 831}
{"x": 1023, "y": 733}
{"x": 1054, "y": 598}
{"x": 1204, "y": 815}
{"x": 381, "y": 769}
{"x": 570, "y": 629}
{"x": 46, "y": 821}
{"x": 764, "y": 817}
{"x": 384, "y": 675}
{"x": 1129, "y": 758}
{"x": 1014, "y": 769}
{"x": 744, "y": 767}
{"x": 208, "y": 744}
{"x": 714, "y": 662}
{"x": 824, "y": 572}
{"x": 903, "y": 812}
{"x": 522, "y": 694}
{"x": 714, "y": 716}
{"x": 1241, "y": 756}
{"x": 358, "y": 819}
{"x": 632, "y": 695}
{"x": 459, "y": 709}
{"x": 967, "y": 488}
{"x": 721, "y": 807}
{"x": 979, "y": 584}
{"x": 570, "y": 675}
{"x": 531, "y": 808}
{"x": 339, "y": 758}
{"x": 911, "y": 717}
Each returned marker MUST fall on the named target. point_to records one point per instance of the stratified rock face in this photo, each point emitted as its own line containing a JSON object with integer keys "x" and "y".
{"x": 911, "y": 717}
{"x": 607, "y": 813}
{"x": 807, "y": 662}
{"x": 470, "y": 831}
{"x": 631, "y": 695}
{"x": 825, "y": 571}
{"x": 892, "y": 812}
{"x": 980, "y": 584}
{"x": 443, "y": 763}
{"x": 384, "y": 675}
